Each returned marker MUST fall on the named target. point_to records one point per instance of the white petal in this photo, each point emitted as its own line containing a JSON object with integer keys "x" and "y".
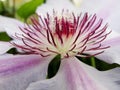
{"x": 74, "y": 75}
{"x": 57, "y": 5}
{"x": 114, "y": 19}
{"x": 112, "y": 35}
{"x": 106, "y": 9}
{"x": 3, "y": 56}
{"x": 95, "y": 6}
{"x": 110, "y": 13}
{"x": 17, "y": 72}
{"x": 112, "y": 54}
{"x": 11, "y": 26}
{"x": 4, "y": 47}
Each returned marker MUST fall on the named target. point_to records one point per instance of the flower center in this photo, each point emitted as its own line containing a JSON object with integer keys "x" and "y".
{"x": 66, "y": 34}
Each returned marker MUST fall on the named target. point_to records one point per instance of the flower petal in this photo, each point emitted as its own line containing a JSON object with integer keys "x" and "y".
{"x": 9, "y": 25}
{"x": 96, "y": 6}
{"x": 17, "y": 72}
{"x": 114, "y": 19}
{"x": 5, "y": 55}
{"x": 112, "y": 54}
{"x": 106, "y": 9}
{"x": 57, "y": 5}
{"x": 110, "y": 13}
{"x": 4, "y": 47}
{"x": 74, "y": 75}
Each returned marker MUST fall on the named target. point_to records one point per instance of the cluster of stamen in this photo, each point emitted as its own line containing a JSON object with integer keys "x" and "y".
{"x": 66, "y": 34}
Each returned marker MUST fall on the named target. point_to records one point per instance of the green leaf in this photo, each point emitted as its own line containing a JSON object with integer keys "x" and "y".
{"x": 54, "y": 66}
{"x": 28, "y": 8}
{"x": 4, "y": 37}
{"x": 99, "y": 64}
{"x": 103, "y": 66}
{"x": 1, "y": 7}
{"x": 12, "y": 51}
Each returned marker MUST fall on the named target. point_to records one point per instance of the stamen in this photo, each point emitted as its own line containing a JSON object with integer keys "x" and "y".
{"x": 66, "y": 34}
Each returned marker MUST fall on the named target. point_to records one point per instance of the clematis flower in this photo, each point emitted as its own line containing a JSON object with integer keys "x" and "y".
{"x": 63, "y": 33}
{"x": 108, "y": 10}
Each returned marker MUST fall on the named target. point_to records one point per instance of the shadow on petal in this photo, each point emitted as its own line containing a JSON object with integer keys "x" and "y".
{"x": 75, "y": 75}
{"x": 17, "y": 72}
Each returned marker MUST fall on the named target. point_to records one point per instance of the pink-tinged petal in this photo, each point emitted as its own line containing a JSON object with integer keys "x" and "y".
{"x": 5, "y": 55}
{"x": 110, "y": 13}
{"x": 17, "y": 72}
{"x": 75, "y": 75}
{"x": 112, "y": 35}
{"x": 95, "y": 6}
{"x": 10, "y": 25}
{"x": 4, "y": 47}
{"x": 57, "y": 5}
{"x": 112, "y": 54}
{"x": 106, "y": 9}
{"x": 114, "y": 19}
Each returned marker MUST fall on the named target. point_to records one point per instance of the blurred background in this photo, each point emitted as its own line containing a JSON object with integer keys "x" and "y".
{"x": 20, "y": 9}
{"x": 9, "y": 7}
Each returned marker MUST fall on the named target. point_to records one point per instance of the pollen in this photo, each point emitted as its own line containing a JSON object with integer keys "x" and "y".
{"x": 63, "y": 33}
